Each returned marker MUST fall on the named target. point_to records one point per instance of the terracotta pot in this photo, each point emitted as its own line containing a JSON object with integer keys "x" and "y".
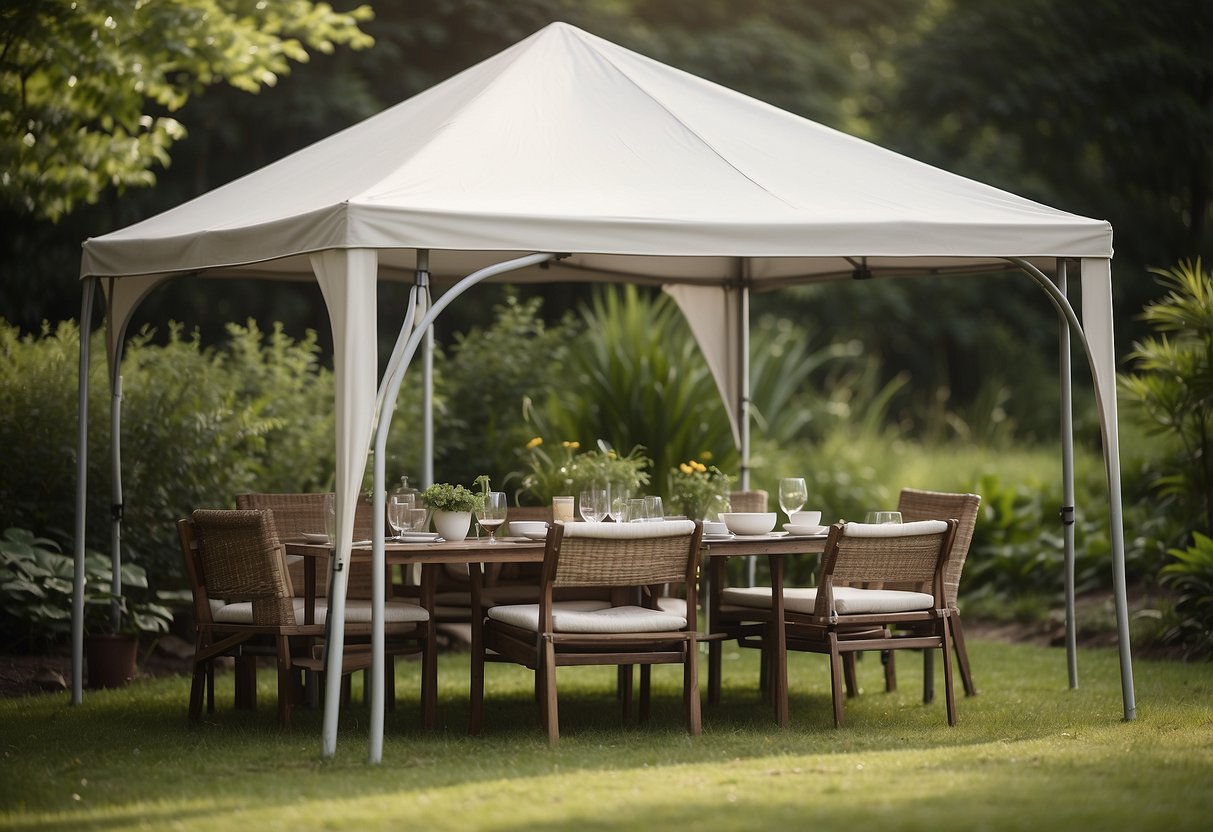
{"x": 110, "y": 659}
{"x": 452, "y": 525}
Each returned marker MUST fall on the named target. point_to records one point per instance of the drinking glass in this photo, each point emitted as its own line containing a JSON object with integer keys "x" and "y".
{"x": 330, "y": 517}
{"x": 562, "y": 509}
{"x": 652, "y": 508}
{"x": 593, "y": 504}
{"x": 881, "y": 517}
{"x": 398, "y": 506}
{"x": 417, "y": 520}
{"x": 792, "y": 495}
{"x": 619, "y": 502}
{"x": 493, "y": 513}
{"x": 633, "y": 510}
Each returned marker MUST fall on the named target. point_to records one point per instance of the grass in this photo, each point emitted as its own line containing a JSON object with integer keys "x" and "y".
{"x": 1027, "y": 754}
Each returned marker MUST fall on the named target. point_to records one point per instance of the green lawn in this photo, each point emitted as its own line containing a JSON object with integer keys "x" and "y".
{"x": 1027, "y": 754}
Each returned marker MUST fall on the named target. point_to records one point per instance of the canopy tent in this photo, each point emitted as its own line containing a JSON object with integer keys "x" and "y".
{"x": 603, "y": 165}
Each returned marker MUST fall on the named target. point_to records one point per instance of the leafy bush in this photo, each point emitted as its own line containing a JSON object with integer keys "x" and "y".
{"x": 199, "y": 426}
{"x": 1191, "y": 574}
{"x": 36, "y": 585}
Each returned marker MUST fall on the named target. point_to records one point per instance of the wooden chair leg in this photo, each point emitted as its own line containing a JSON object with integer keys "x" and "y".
{"x": 476, "y": 710}
{"x": 646, "y": 674}
{"x": 928, "y": 676}
{"x": 429, "y": 679}
{"x": 210, "y": 687}
{"x": 246, "y": 682}
{"x": 848, "y": 675}
{"x": 764, "y": 670}
{"x": 197, "y": 689}
{"x": 715, "y": 655}
{"x": 690, "y": 689}
{"x": 551, "y": 716}
{"x": 389, "y": 682}
{"x": 962, "y": 656}
{"x": 286, "y": 677}
{"x": 888, "y": 659}
{"x": 949, "y": 693}
{"x": 624, "y": 691}
{"x": 836, "y": 683}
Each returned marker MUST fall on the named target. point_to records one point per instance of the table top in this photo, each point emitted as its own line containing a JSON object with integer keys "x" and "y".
{"x": 526, "y": 550}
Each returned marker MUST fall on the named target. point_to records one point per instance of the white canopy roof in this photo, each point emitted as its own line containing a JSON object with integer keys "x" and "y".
{"x": 566, "y": 143}
{"x": 569, "y": 143}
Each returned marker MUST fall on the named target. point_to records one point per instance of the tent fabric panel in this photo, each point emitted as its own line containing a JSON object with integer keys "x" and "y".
{"x": 715, "y": 320}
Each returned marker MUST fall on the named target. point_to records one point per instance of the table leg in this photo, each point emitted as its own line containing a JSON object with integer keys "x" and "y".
{"x": 779, "y": 644}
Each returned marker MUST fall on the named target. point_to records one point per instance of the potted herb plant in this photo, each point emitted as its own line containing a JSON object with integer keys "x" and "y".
{"x": 699, "y": 491}
{"x": 452, "y": 506}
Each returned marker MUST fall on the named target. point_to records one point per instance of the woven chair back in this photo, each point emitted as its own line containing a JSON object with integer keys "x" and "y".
{"x": 620, "y": 562}
{"x": 915, "y": 504}
{"x": 298, "y": 514}
{"x": 240, "y": 558}
{"x": 907, "y": 560}
{"x": 748, "y": 500}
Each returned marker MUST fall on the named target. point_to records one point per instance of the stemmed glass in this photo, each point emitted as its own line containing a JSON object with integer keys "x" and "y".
{"x": 398, "y": 507}
{"x": 594, "y": 504}
{"x": 881, "y": 517}
{"x": 792, "y": 495}
{"x": 619, "y": 503}
{"x": 493, "y": 513}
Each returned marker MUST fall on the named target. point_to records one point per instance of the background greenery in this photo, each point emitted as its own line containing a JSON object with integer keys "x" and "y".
{"x": 1101, "y": 109}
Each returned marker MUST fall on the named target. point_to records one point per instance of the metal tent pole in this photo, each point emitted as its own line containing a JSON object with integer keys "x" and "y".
{"x": 1111, "y": 457}
{"x": 86, "y": 318}
{"x": 1067, "y": 479}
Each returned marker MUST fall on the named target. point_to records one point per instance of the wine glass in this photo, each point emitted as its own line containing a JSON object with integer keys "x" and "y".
{"x": 398, "y": 506}
{"x": 593, "y": 504}
{"x": 493, "y": 513}
{"x": 417, "y": 519}
{"x": 792, "y": 495}
{"x": 881, "y": 517}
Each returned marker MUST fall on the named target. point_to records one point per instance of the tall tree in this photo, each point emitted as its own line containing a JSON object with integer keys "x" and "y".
{"x": 88, "y": 88}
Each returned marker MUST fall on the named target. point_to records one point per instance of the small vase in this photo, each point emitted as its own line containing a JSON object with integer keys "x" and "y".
{"x": 452, "y": 525}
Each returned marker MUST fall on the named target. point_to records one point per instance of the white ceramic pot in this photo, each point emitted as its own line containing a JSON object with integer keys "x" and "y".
{"x": 452, "y": 525}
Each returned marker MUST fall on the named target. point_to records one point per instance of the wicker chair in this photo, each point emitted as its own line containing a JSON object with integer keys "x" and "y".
{"x": 243, "y": 599}
{"x": 915, "y": 504}
{"x": 623, "y": 558}
{"x": 844, "y": 613}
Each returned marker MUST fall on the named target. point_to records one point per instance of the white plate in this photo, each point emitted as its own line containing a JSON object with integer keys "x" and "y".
{"x": 717, "y": 537}
{"x": 797, "y": 529}
{"x": 418, "y": 537}
{"x": 767, "y": 536}
{"x": 310, "y": 537}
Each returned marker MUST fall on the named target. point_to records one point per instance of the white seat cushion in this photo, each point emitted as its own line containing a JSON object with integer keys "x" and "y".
{"x": 894, "y": 529}
{"x": 847, "y": 600}
{"x": 356, "y": 612}
{"x": 678, "y": 606}
{"x": 590, "y": 617}
{"x": 628, "y": 531}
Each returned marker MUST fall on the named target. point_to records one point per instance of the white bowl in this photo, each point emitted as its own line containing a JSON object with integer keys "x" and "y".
{"x": 805, "y": 518}
{"x": 714, "y": 527}
{"x": 528, "y": 528}
{"x": 798, "y": 529}
{"x": 749, "y": 522}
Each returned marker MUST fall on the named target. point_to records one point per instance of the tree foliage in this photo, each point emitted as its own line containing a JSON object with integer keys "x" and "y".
{"x": 88, "y": 88}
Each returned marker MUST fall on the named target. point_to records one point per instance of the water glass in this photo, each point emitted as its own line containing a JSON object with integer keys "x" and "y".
{"x": 417, "y": 520}
{"x": 633, "y": 510}
{"x": 880, "y": 517}
{"x": 652, "y": 508}
{"x": 619, "y": 503}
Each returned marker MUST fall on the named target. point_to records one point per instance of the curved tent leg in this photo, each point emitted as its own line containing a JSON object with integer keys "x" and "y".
{"x": 86, "y": 318}
{"x": 387, "y": 396}
{"x": 1096, "y": 341}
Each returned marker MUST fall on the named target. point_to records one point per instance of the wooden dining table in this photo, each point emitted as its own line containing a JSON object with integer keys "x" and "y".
{"x": 476, "y": 552}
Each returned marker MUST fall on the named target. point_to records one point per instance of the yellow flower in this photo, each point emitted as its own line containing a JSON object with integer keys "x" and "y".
{"x": 534, "y": 443}
{"x": 699, "y": 466}
{"x": 706, "y": 456}
{"x": 571, "y": 445}
{"x": 684, "y": 468}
